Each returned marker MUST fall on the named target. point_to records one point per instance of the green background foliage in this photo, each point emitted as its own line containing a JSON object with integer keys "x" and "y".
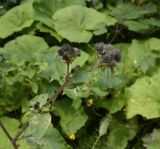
{"x": 104, "y": 109}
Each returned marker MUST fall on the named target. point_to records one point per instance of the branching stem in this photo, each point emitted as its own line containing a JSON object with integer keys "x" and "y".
{"x": 116, "y": 33}
{"x": 13, "y": 140}
{"x": 8, "y": 135}
{"x": 20, "y": 132}
{"x": 53, "y": 98}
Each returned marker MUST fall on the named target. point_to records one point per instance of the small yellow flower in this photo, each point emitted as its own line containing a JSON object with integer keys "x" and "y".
{"x": 90, "y": 101}
{"x": 72, "y": 137}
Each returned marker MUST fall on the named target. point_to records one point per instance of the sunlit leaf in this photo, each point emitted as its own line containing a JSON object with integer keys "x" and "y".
{"x": 24, "y": 48}
{"x": 78, "y": 27}
{"x": 143, "y": 97}
{"x": 16, "y": 19}
{"x": 40, "y": 7}
{"x": 140, "y": 53}
{"x": 41, "y": 99}
{"x": 104, "y": 125}
{"x": 38, "y": 126}
{"x": 53, "y": 139}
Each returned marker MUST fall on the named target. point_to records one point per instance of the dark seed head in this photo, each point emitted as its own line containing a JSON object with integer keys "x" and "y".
{"x": 109, "y": 47}
{"x": 106, "y": 57}
{"x": 77, "y": 52}
{"x": 68, "y": 53}
{"x": 117, "y": 56}
{"x": 99, "y": 47}
{"x": 36, "y": 106}
{"x": 109, "y": 54}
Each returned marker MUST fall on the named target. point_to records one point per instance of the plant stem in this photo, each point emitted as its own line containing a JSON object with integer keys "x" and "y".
{"x": 67, "y": 70}
{"x": 95, "y": 143}
{"x": 115, "y": 35}
{"x": 96, "y": 65}
{"x": 20, "y": 132}
{"x": 8, "y": 136}
{"x": 53, "y": 98}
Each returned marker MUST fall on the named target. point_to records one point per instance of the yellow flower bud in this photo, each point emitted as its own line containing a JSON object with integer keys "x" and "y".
{"x": 72, "y": 137}
{"x": 90, "y": 101}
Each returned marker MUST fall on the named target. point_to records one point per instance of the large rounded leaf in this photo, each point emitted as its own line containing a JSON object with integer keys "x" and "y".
{"x": 23, "y": 48}
{"x": 40, "y": 7}
{"x": 144, "y": 97}
{"x": 132, "y": 15}
{"x": 120, "y": 133}
{"x": 71, "y": 119}
{"x": 76, "y": 23}
{"x": 38, "y": 126}
{"x": 128, "y": 11}
{"x": 53, "y": 140}
{"x": 16, "y": 19}
{"x": 141, "y": 53}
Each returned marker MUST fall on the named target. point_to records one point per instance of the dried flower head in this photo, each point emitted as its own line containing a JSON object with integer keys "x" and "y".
{"x": 68, "y": 53}
{"x": 109, "y": 54}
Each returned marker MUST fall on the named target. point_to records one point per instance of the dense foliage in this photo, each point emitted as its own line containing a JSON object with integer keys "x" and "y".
{"x": 81, "y": 74}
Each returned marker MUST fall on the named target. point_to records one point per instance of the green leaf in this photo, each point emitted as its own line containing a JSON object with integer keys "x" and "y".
{"x": 152, "y": 141}
{"x": 71, "y": 119}
{"x": 44, "y": 28}
{"x": 42, "y": 135}
{"x": 121, "y": 133}
{"x": 75, "y": 95}
{"x": 78, "y": 27}
{"x": 97, "y": 91}
{"x": 131, "y": 15}
{"x": 80, "y": 60}
{"x": 34, "y": 86}
{"x": 16, "y": 19}
{"x": 42, "y": 99}
{"x": 152, "y": 22}
{"x": 136, "y": 26}
{"x": 80, "y": 77}
{"x": 128, "y": 11}
{"x": 113, "y": 105}
{"x": 104, "y": 125}
{"x": 53, "y": 140}
{"x": 55, "y": 68}
{"x": 23, "y": 49}
{"x": 110, "y": 20}
{"x": 153, "y": 44}
{"x": 29, "y": 72}
{"x": 140, "y": 53}
{"x": 40, "y": 7}
{"x": 38, "y": 126}
{"x": 121, "y": 67}
{"x": 105, "y": 79}
{"x": 144, "y": 98}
